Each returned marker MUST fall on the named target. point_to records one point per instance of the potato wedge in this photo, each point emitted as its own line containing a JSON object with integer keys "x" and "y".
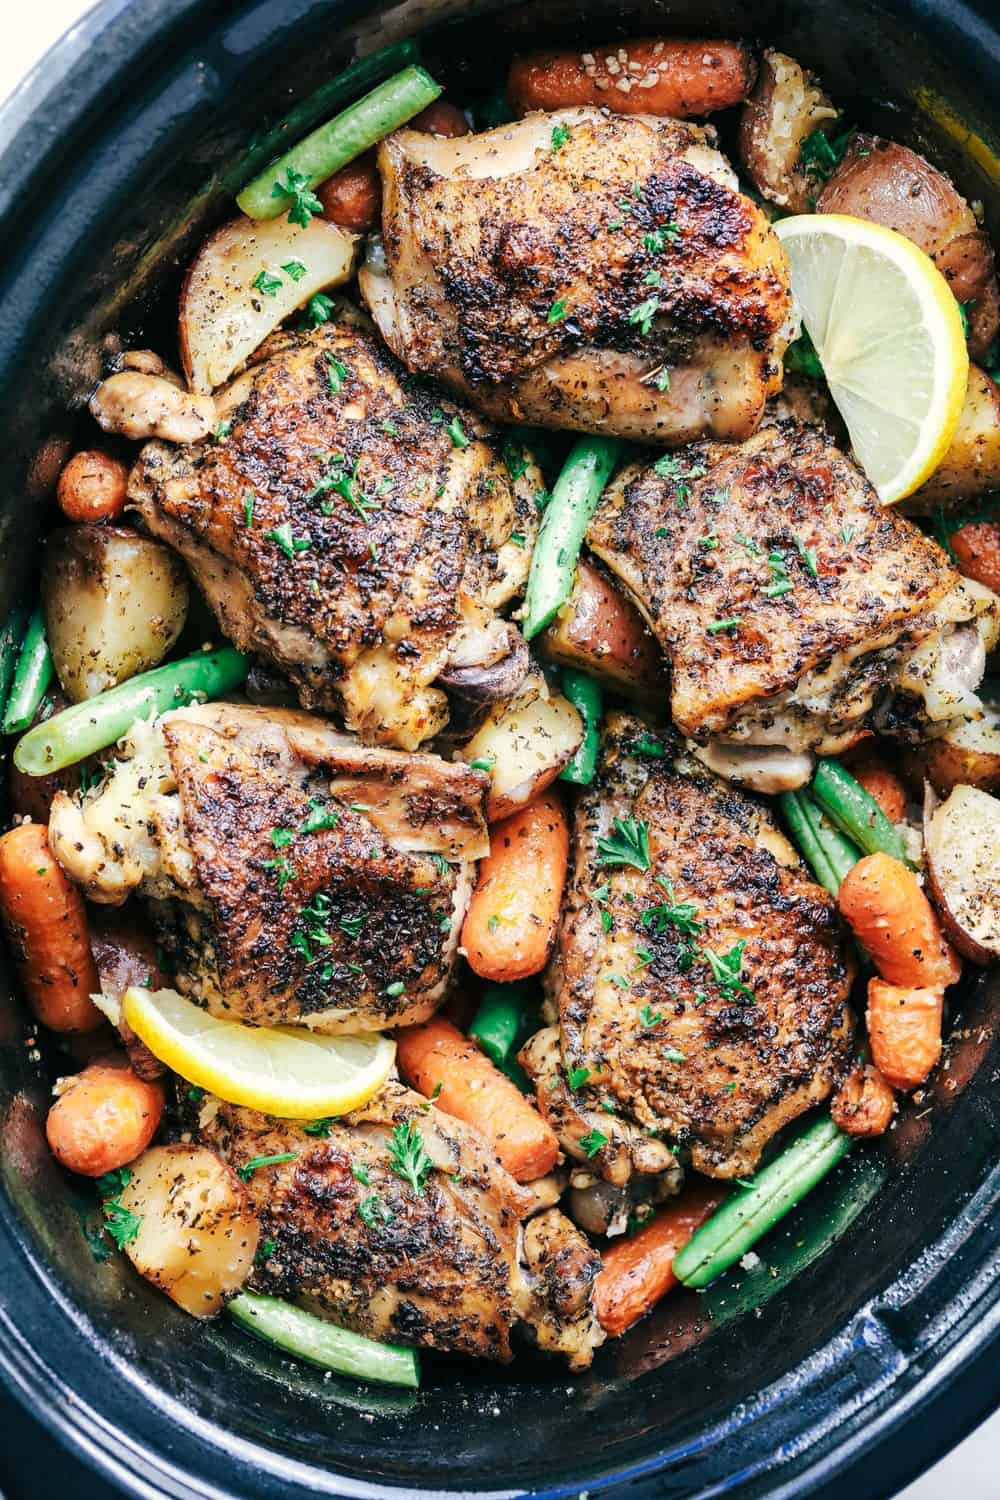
{"x": 197, "y": 1236}
{"x": 245, "y": 280}
{"x": 962, "y": 844}
{"x": 525, "y": 743}
{"x": 786, "y": 106}
{"x": 115, "y": 602}
{"x": 968, "y": 755}
{"x": 971, "y": 466}
{"x": 601, "y": 632}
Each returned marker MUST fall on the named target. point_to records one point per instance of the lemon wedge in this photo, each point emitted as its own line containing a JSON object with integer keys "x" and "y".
{"x": 889, "y": 336}
{"x": 285, "y": 1071}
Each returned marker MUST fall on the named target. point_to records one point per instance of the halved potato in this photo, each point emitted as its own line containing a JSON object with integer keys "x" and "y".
{"x": 601, "y": 632}
{"x": 524, "y": 744}
{"x": 245, "y": 280}
{"x": 784, "y": 109}
{"x": 971, "y": 465}
{"x": 197, "y": 1236}
{"x": 115, "y": 602}
{"x": 966, "y": 756}
{"x": 962, "y": 844}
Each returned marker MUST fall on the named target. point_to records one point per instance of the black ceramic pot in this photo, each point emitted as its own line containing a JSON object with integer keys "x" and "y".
{"x": 826, "y": 1370}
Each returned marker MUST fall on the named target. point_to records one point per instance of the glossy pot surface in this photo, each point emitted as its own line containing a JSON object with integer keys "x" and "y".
{"x": 813, "y": 1373}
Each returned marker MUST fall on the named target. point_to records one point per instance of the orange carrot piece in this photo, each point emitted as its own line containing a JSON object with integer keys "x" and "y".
{"x": 649, "y": 76}
{"x": 864, "y": 1103}
{"x": 636, "y": 1272}
{"x": 893, "y": 919}
{"x": 867, "y": 767}
{"x": 46, "y": 925}
{"x": 352, "y": 197}
{"x": 92, "y": 487}
{"x": 437, "y": 1056}
{"x": 514, "y": 911}
{"x": 104, "y": 1118}
{"x": 904, "y": 1028}
{"x": 977, "y": 552}
{"x": 440, "y": 118}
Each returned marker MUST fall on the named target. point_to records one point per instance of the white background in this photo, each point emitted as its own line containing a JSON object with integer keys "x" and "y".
{"x": 972, "y": 1472}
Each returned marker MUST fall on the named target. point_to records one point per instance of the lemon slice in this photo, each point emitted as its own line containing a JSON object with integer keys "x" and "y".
{"x": 286, "y": 1071}
{"x": 889, "y": 336}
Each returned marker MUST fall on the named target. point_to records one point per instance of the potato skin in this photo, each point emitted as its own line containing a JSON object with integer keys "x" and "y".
{"x": 115, "y": 602}
{"x": 889, "y": 184}
{"x": 352, "y": 197}
{"x": 527, "y": 741}
{"x": 966, "y": 756}
{"x": 786, "y": 106}
{"x": 601, "y": 632}
{"x": 962, "y": 843}
{"x": 971, "y": 466}
{"x": 197, "y": 1237}
{"x": 977, "y": 552}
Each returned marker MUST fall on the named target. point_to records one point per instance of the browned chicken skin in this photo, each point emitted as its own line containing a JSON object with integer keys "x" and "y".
{"x": 618, "y": 284}
{"x": 293, "y": 875}
{"x": 444, "y": 1266}
{"x": 718, "y": 1056}
{"x": 350, "y": 528}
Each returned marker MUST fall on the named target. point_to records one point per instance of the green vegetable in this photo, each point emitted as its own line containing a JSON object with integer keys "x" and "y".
{"x": 827, "y": 852}
{"x": 324, "y": 1344}
{"x": 347, "y": 85}
{"x": 11, "y": 636}
{"x": 560, "y": 537}
{"x": 408, "y": 1156}
{"x": 256, "y": 1162}
{"x": 585, "y": 695}
{"x": 497, "y": 1022}
{"x": 337, "y": 142}
{"x": 84, "y": 728}
{"x": 627, "y": 844}
{"x": 32, "y": 675}
{"x": 855, "y": 813}
{"x": 749, "y": 1214}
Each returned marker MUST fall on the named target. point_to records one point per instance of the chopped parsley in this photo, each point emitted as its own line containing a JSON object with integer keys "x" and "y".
{"x": 577, "y": 1077}
{"x": 320, "y": 1128}
{"x": 801, "y": 358}
{"x": 295, "y": 269}
{"x": 336, "y": 372}
{"x": 628, "y": 844}
{"x": 320, "y": 817}
{"x": 408, "y": 1156}
{"x": 643, "y": 313}
{"x": 647, "y": 745}
{"x": 304, "y": 201}
{"x": 265, "y": 1250}
{"x": 319, "y": 309}
{"x": 726, "y": 969}
{"x": 360, "y": 1173}
{"x": 290, "y": 545}
{"x": 221, "y": 432}
{"x": 339, "y": 480}
{"x": 808, "y": 556}
{"x": 483, "y": 763}
{"x": 650, "y": 1017}
{"x": 456, "y": 432}
{"x": 732, "y": 623}
{"x": 591, "y": 1143}
{"x": 269, "y": 285}
{"x": 284, "y": 869}
{"x": 560, "y": 135}
{"x": 256, "y": 1162}
{"x": 780, "y": 582}
{"x": 821, "y": 154}
{"x": 394, "y": 990}
{"x": 248, "y": 502}
{"x": 673, "y": 1055}
{"x": 669, "y": 466}
{"x": 374, "y": 1212}
{"x": 558, "y": 312}
{"x": 658, "y": 240}
{"x": 672, "y": 913}
{"x": 353, "y": 926}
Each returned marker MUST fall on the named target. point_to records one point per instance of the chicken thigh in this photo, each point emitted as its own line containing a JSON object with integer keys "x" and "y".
{"x": 785, "y": 597}
{"x": 399, "y": 1222}
{"x": 582, "y": 270}
{"x": 703, "y": 977}
{"x": 292, "y": 874}
{"x": 351, "y": 528}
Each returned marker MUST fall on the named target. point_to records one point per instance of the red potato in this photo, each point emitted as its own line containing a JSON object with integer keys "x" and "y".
{"x": 46, "y": 926}
{"x": 904, "y": 1028}
{"x": 787, "y": 105}
{"x": 649, "y": 76}
{"x": 352, "y": 197}
{"x": 977, "y": 552}
{"x": 127, "y": 953}
{"x": 104, "y": 1118}
{"x": 441, "y": 118}
{"x": 864, "y": 1104}
{"x": 513, "y": 915}
{"x": 600, "y": 631}
{"x": 962, "y": 841}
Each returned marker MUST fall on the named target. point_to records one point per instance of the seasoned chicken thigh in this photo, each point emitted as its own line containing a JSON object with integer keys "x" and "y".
{"x": 786, "y": 599}
{"x": 435, "y": 1257}
{"x": 350, "y": 528}
{"x": 292, "y": 874}
{"x": 703, "y": 977}
{"x": 582, "y": 270}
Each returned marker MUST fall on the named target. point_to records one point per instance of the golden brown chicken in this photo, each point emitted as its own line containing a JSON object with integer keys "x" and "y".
{"x": 787, "y": 600}
{"x": 352, "y": 528}
{"x": 703, "y": 977}
{"x": 293, "y": 875}
{"x": 399, "y": 1222}
{"x": 582, "y": 270}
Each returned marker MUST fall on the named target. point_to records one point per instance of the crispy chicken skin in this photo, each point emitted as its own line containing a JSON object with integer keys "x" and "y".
{"x": 351, "y": 925}
{"x": 514, "y": 272}
{"x": 448, "y": 1267}
{"x": 352, "y": 528}
{"x": 717, "y": 1067}
{"x": 783, "y": 536}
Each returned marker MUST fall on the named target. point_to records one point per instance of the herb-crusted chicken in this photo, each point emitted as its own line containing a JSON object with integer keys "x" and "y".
{"x": 399, "y": 1222}
{"x": 292, "y": 874}
{"x": 351, "y": 528}
{"x": 703, "y": 977}
{"x": 582, "y": 270}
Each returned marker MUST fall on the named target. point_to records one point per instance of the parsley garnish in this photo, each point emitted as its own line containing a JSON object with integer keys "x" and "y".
{"x": 320, "y": 817}
{"x": 646, "y": 745}
{"x": 265, "y": 1250}
{"x": 560, "y": 135}
{"x": 319, "y": 1127}
{"x": 643, "y": 314}
{"x": 319, "y": 309}
{"x": 353, "y": 926}
{"x": 628, "y": 844}
{"x": 336, "y": 373}
{"x": 408, "y": 1157}
{"x": 394, "y": 990}
{"x": 669, "y": 467}
{"x": 672, "y": 1055}
{"x": 221, "y": 432}
{"x": 673, "y": 913}
{"x": 821, "y": 154}
{"x": 121, "y": 1223}
{"x": 360, "y": 1173}
{"x": 808, "y": 556}
{"x": 650, "y": 1017}
{"x": 291, "y": 546}
{"x": 558, "y": 311}
{"x": 304, "y": 201}
{"x": 282, "y": 837}
{"x": 726, "y": 968}
{"x": 592, "y": 1142}
{"x": 732, "y": 623}
{"x": 269, "y": 285}
{"x": 248, "y": 501}
{"x": 295, "y": 269}
{"x": 256, "y": 1162}
{"x": 457, "y": 434}
{"x": 801, "y": 358}
{"x": 374, "y": 1212}
{"x": 659, "y": 239}
{"x": 577, "y": 1077}
{"x": 338, "y": 480}
{"x": 285, "y": 870}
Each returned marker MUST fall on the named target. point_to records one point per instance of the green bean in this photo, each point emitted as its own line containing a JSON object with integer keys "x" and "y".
{"x": 752, "y": 1211}
{"x": 32, "y": 675}
{"x": 497, "y": 1022}
{"x": 84, "y": 728}
{"x": 339, "y": 141}
{"x": 355, "y": 79}
{"x": 11, "y": 636}
{"x": 848, "y": 805}
{"x": 560, "y": 536}
{"x": 585, "y": 695}
{"x": 828, "y": 853}
{"x": 325, "y": 1344}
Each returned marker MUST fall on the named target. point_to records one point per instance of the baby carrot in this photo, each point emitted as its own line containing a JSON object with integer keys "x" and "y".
{"x": 893, "y": 919}
{"x": 46, "y": 925}
{"x": 882, "y": 785}
{"x": 512, "y": 917}
{"x": 104, "y": 1118}
{"x": 444, "y": 1065}
{"x": 864, "y": 1103}
{"x": 904, "y": 1028}
{"x": 636, "y": 1272}
{"x": 648, "y": 76}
